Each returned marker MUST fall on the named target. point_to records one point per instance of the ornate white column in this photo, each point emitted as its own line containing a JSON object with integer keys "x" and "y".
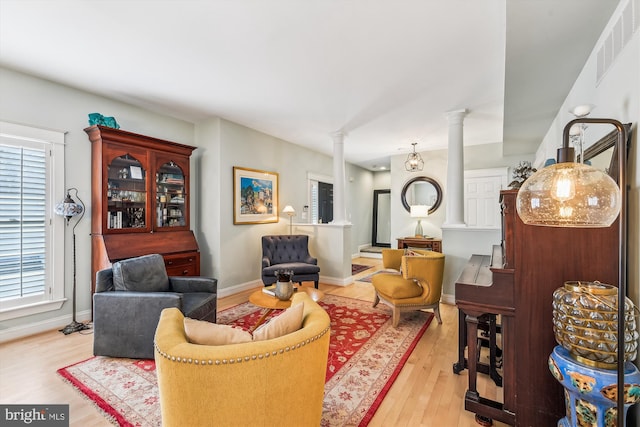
{"x": 339, "y": 209}
{"x": 455, "y": 170}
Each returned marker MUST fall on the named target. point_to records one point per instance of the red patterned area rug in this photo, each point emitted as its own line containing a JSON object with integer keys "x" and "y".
{"x": 366, "y": 355}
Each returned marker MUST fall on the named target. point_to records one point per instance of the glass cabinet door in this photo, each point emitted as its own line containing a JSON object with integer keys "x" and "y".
{"x": 126, "y": 194}
{"x": 170, "y": 196}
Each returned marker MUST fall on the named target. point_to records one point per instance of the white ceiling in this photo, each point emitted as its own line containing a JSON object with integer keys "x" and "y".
{"x": 384, "y": 71}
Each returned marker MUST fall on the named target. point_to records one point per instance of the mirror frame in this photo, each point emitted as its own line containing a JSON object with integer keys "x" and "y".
{"x": 436, "y": 205}
{"x": 603, "y": 144}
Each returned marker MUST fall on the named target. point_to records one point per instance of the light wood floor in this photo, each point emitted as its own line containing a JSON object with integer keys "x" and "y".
{"x": 426, "y": 393}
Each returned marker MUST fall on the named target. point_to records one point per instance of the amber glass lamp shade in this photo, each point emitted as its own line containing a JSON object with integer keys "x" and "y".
{"x": 569, "y": 195}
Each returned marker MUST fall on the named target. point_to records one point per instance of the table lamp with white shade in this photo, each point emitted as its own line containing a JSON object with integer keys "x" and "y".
{"x": 419, "y": 211}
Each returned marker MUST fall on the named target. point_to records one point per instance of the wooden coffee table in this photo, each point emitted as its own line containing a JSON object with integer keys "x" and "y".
{"x": 270, "y": 303}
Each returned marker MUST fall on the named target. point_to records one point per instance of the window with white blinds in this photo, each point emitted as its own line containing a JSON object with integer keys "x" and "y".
{"x": 31, "y": 164}
{"x": 314, "y": 202}
{"x": 23, "y": 185}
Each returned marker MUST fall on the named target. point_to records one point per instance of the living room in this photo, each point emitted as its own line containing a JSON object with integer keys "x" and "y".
{"x": 231, "y": 253}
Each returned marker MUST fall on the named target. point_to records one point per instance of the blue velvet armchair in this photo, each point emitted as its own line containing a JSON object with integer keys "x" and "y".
{"x": 129, "y": 298}
{"x": 288, "y": 253}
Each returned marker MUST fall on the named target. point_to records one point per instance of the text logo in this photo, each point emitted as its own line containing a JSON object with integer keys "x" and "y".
{"x": 34, "y": 415}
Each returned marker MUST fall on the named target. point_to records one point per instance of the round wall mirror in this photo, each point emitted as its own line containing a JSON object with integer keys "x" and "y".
{"x": 421, "y": 190}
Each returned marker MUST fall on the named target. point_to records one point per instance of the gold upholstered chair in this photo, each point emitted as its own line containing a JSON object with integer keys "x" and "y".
{"x": 275, "y": 382}
{"x": 417, "y": 287}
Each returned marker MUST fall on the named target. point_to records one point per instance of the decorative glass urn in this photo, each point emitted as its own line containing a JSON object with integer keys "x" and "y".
{"x": 284, "y": 285}
{"x": 585, "y": 322}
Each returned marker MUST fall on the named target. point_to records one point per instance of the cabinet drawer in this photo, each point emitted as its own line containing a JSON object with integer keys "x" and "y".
{"x": 185, "y": 270}
{"x": 183, "y": 264}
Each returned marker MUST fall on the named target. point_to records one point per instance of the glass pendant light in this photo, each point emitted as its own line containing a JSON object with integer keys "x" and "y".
{"x": 569, "y": 194}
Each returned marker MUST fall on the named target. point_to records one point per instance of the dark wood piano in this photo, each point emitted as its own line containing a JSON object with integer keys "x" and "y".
{"x": 516, "y": 282}
{"x": 482, "y": 289}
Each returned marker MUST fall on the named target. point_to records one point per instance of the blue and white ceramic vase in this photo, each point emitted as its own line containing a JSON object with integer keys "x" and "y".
{"x": 591, "y": 393}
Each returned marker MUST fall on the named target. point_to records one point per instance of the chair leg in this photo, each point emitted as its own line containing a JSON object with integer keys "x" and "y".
{"x": 376, "y": 300}
{"x": 316, "y": 284}
{"x": 437, "y": 312}
{"x": 396, "y": 317}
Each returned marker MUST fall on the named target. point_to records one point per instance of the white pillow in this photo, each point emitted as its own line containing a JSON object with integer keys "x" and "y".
{"x": 287, "y": 322}
{"x": 207, "y": 333}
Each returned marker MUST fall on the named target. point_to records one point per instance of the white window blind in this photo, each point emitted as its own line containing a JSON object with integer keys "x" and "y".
{"x": 314, "y": 202}
{"x": 23, "y": 176}
{"x": 31, "y": 236}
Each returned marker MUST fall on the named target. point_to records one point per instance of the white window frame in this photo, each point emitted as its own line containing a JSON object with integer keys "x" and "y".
{"x": 312, "y": 193}
{"x": 53, "y": 297}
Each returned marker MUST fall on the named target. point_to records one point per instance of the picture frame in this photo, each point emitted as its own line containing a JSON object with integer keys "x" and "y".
{"x": 136, "y": 172}
{"x": 255, "y": 196}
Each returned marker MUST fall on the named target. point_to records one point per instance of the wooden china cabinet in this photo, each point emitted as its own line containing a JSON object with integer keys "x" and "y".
{"x": 140, "y": 201}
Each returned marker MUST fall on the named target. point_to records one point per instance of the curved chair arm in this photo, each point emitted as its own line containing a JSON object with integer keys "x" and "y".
{"x": 185, "y": 284}
{"x": 392, "y": 258}
{"x": 310, "y": 260}
{"x": 428, "y": 271}
{"x": 266, "y": 262}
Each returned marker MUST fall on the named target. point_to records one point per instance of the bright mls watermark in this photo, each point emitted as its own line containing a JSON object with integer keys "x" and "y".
{"x": 34, "y": 415}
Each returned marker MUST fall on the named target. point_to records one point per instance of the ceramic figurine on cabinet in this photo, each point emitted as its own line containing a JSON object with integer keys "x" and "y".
{"x": 99, "y": 119}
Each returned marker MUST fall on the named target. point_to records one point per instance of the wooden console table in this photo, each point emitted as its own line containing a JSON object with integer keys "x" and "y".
{"x": 420, "y": 242}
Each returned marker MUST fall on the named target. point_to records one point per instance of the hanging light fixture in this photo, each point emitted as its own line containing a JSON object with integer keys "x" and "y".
{"x": 570, "y": 194}
{"x": 69, "y": 209}
{"x": 414, "y": 162}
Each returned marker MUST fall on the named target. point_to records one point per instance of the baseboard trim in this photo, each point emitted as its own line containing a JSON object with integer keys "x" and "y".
{"x": 448, "y": 299}
{"x": 47, "y": 325}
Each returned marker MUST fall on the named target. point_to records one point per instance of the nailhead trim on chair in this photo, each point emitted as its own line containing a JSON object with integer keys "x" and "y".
{"x": 239, "y": 359}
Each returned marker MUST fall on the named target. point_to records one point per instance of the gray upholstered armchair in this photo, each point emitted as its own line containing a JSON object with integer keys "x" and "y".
{"x": 129, "y": 298}
{"x": 288, "y": 253}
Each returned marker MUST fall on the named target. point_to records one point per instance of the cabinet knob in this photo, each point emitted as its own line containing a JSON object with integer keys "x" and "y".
{"x": 185, "y": 272}
{"x": 169, "y": 262}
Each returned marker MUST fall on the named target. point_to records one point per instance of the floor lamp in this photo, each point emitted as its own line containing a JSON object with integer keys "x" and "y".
{"x": 291, "y": 212}
{"x": 70, "y": 209}
{"x": 569, "y": 194}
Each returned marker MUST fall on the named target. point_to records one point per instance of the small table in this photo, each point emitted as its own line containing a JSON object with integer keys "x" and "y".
{"x": 420, "y": 242}
{"x": 270, "y": 303}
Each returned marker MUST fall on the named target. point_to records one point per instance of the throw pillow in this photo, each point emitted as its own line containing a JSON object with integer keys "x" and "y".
{"x": 141, "y": 274}
{"x": 289, "y": 321}
{"x": 207, "y": 333}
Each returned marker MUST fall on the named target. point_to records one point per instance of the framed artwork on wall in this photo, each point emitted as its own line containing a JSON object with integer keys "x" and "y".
{"x": 255, "y": 196}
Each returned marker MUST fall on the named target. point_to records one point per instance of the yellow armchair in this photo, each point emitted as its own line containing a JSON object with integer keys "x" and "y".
{"x": 277, "y": 382}
{"x": 419, "y": 286}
